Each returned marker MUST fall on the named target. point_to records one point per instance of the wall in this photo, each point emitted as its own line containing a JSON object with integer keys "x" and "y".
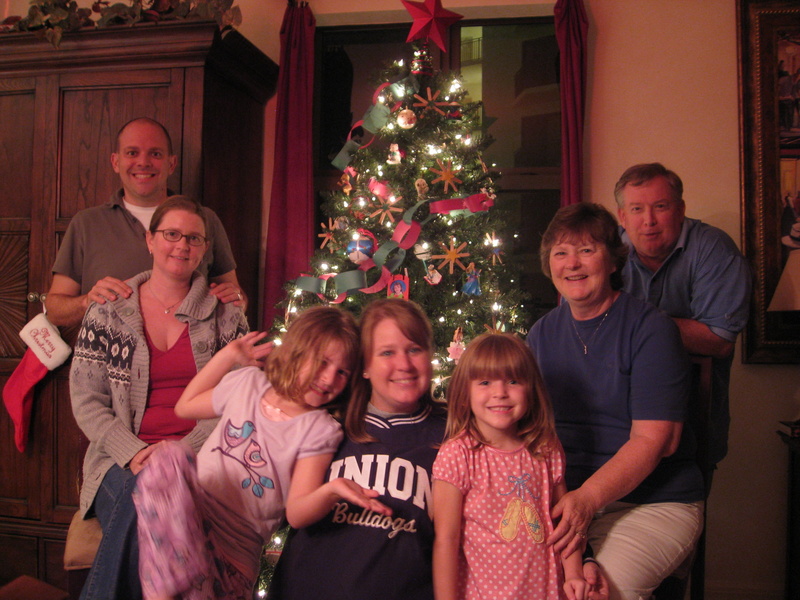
{"x": 662, "y": 86}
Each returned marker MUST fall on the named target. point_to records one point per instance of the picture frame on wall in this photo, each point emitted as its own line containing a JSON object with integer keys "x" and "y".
{"x": 769, "y": 114}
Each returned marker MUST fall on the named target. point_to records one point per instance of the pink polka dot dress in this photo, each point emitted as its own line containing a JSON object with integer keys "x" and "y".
{"x": 506, "y": 520}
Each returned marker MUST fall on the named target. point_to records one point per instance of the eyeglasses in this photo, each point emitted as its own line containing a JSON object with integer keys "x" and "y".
{"x": 173, "y": 235}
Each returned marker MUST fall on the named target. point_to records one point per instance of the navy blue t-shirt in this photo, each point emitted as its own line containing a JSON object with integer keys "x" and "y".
{"x": 354, "y": 554}
{"x": 634, "y": 368}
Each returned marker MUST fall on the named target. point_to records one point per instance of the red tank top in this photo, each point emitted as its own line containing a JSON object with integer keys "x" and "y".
{"x": 170, "y": 372}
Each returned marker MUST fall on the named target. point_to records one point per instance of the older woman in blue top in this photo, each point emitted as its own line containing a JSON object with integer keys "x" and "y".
{"x": 619, "y": 381}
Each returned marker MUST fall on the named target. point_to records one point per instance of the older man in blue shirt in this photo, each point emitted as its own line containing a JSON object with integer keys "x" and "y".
{"x": 692, "y": 271}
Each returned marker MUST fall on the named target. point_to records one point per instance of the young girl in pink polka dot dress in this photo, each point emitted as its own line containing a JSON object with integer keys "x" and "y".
{"x": 495, "y": 480}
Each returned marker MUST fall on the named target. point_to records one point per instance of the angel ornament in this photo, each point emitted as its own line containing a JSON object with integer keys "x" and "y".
{"x": 473, "y": 285}
{"x": 422, "y": 188}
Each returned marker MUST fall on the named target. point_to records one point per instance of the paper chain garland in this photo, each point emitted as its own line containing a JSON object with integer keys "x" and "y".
{"x": 405, "y": 236}
{"x": 375, "y": 117}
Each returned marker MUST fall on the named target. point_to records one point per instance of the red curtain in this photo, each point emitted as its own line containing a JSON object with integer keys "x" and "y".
{"x": 571, "y": 30}
{"x": 290, "y": 237}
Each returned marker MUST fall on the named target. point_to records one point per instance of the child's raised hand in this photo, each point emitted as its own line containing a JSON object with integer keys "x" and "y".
{"x": 349, "y": 490}
{"x": 247, "y": 351}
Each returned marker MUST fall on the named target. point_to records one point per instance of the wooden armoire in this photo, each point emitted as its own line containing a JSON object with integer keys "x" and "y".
{"x": 60, "y": 110}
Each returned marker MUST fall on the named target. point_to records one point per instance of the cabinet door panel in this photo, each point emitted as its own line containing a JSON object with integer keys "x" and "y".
{"x": 68, "y": 465}
{"x": 19, "y": 489}
{"x": 18, "y": 554}
{"x": 93, "y": 110}
{"x": 22, "y": 140}
{"x": 52, "y": 563}
{"x": 17, "y": 110}
{"x": 16, "y": 152}
{"x": 13, "y": 292}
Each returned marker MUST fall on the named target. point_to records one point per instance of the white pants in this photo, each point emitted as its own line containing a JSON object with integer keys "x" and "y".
{"x": 638, "y": 545}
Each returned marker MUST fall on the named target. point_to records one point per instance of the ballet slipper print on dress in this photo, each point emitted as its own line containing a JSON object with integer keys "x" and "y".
{"x": 520, "y": 513}
{"x": 509, "y": 524}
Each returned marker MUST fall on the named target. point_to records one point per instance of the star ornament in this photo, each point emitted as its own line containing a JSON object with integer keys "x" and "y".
{"x": 327, "y": 235}
{"x": 452, "y": 255}
{"x": 447, "y": 175}
{"x": 494, "y": 245}
{"x": 432, "y": 103}
{"x": 493, "y": 328}
{"x": 430, "y": 21}
{"x": 385, "y": 208}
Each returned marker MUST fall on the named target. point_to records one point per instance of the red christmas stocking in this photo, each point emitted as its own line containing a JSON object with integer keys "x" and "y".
{"x": 18, "y": 395}
{"x": 46, "y": 351}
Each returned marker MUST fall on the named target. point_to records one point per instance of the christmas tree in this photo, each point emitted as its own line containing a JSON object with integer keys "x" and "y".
{"x": 415, "y": 214}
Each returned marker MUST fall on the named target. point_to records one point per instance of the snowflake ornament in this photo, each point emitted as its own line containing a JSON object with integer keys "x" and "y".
{"x": 451, "y": 256}
{"x": 447, "y": 175}
{"x": 432, "y": 103}
{"x": 327, "y": 235}
{"x": 386, "y": 207}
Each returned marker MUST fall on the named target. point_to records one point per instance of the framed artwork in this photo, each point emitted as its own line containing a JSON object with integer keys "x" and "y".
{"x": 769, "y": 63}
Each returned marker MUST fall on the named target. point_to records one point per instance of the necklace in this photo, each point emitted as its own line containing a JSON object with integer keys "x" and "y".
{"x": 166, "y": 308}
{"x": 271, "y": 406}
{"x": 594, "y": 333}
{"x": 280, "y": 414}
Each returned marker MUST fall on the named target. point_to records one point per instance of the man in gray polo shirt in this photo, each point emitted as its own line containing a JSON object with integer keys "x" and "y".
{"x": 105, "y": 245}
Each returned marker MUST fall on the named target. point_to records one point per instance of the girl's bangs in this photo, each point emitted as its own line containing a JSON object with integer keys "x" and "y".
{"x": 503, "y": 362}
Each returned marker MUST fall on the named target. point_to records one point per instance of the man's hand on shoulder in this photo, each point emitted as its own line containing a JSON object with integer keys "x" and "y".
{"x": 66, "y": 305}
{"x": 108, "y": 289}
{"x": 227, "y": 289}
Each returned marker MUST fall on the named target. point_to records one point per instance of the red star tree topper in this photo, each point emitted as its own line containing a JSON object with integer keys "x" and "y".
{"x": 430, "y": 21}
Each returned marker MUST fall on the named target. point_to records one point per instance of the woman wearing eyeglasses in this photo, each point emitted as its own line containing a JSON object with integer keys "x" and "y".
{"x": 133, "y": 358}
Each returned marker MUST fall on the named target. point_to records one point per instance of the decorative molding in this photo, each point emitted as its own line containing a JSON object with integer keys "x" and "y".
{"x": 382, "y": 17}
{"x": 110, "y": 47}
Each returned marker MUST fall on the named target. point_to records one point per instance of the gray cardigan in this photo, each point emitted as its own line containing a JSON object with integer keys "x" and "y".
{"x": 110, "y": 373}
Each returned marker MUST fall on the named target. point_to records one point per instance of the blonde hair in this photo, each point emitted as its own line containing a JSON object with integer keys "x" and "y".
{"x": 501, "y": 356}
{"x": 413, "y": 323}
{"x": 307, "y": 339}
